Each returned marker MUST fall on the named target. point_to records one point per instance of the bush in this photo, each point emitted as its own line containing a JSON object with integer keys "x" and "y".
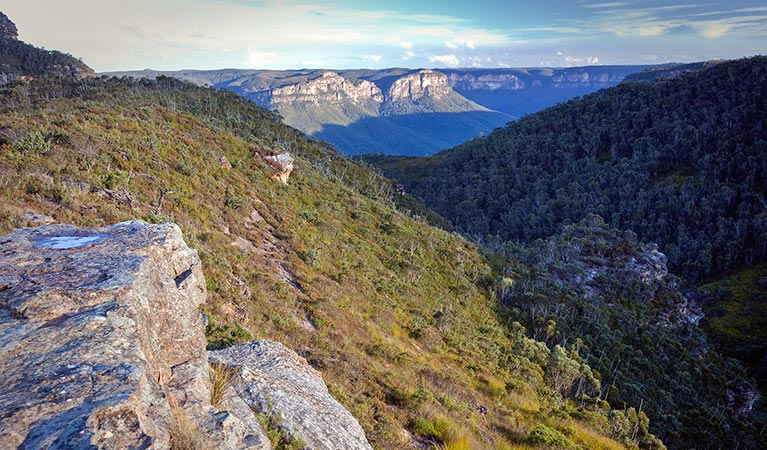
{"x": 543, "y": 435}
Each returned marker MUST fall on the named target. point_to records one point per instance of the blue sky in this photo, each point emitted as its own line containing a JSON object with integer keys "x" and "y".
{"x": 341, "y": 34}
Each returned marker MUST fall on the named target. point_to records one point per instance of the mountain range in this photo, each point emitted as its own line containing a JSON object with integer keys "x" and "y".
{"x": 403, "y": 111}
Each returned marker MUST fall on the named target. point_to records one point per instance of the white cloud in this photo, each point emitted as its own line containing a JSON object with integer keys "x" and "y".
{"x": 448, "y": 60}
{"x": 260, "y": 60}
{"x": 715, "y": 30}
{"x": 449, "y": 44}
{"x": 470, "y": 44}
{"x": 655, "y": 30}
{"x": 581, "y": 60}
{"x": 372, "y": 58}
{"x": 406, "y": 45}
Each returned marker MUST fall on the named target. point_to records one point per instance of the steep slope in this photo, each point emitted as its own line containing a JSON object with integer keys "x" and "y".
{"x": 602, "y": 291}
{"x": 681, "y": 162}
{"x": 396, "y": 314}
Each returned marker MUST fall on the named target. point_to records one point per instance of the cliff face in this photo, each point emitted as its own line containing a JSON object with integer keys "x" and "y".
{"x": 328, "y": 88}
{"x": 594, "y": 77}
{"x": 424, "y": 83}
{"x": 491, "y": 81}
{"x": 102, "y": 345}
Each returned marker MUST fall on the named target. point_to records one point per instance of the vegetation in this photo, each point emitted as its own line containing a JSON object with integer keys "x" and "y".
{"x": 399, "y": 316}
{"x": 20, "y": 58}
{"x": 681, "y": 162}
{"x": 735, "y": 310}
{"x": 602, "y": 297}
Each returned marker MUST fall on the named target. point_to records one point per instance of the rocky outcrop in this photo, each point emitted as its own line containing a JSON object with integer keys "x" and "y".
{"x": 329, "y": 87}
{"x": 8, "y": 28}
{"x": 282, "y": 163}
{"x": 488, "y": 81}
{"x": 274, "y": 379}
{"x": 424, "y": 83}
{"x": 102, "y": 344}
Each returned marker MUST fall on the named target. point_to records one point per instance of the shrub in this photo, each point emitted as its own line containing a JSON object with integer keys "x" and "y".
{"x": 543, "y": 435}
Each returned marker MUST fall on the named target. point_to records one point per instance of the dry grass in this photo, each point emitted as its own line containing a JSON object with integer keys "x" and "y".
{"x": 220, "y": 379}
{"x": 184, "y": 434}
{"x": 589, "y": 438}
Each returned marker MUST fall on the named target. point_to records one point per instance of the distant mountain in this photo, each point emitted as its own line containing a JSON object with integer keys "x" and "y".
{"x": 403, "y": 111}
{"x": 19, "y": 59}
{"x": 668, "y": 71}
{"x": 522, "y": 91}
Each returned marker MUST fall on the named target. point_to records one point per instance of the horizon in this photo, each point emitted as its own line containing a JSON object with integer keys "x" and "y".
{"x": 172, "y": 35}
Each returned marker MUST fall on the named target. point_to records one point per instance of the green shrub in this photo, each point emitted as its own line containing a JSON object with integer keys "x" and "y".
{"x": 543, "y": 435}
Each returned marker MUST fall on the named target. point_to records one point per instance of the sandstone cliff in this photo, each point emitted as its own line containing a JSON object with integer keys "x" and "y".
{"x": 420, "y": 84}
{"x": 102, "y": 345}
{"x": 328, "y": 88}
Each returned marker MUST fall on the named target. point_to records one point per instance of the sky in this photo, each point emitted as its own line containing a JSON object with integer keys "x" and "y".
{"x": 112, "y": 35}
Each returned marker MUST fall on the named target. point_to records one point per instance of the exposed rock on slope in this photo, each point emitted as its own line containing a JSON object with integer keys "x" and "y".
{"x": 421, "y": 84}
{"x": 272, "y": 377}
{"x": 283, "y": 166}
{"x": 101, "y": 341}
{"x": 102, "y": 345}
{"x": 329, "y": 87}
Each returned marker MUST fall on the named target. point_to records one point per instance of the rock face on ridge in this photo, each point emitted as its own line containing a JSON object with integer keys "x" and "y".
{"x": 102, "y": 345}
{"x": 273, "y": 378}
{"x": 101, "y": 341}
{"x": 424, "y": 83}
{"x": 328, "y": 88}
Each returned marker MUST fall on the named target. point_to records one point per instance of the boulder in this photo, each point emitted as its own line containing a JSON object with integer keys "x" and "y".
{"x": 282, "y": 164}
{"x": 275, "y": 380}
{"x": 102, "y": 343}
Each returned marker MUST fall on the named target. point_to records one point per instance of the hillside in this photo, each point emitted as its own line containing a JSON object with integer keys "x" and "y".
{"x": 681, "y": 162}
{"x": 19, "y": 59}
{"x": 397, "y": 315}
{"x": 402, "y": 111}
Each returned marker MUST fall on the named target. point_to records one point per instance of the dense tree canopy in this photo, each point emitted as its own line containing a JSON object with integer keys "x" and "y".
{"x": 680, "y": 161}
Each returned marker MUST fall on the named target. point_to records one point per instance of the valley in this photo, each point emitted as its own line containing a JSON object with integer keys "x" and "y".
{"x": 403, "y": 111}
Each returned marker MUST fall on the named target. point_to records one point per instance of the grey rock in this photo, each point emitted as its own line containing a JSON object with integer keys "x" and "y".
{"x": 273, "y": 379}
{"x": 282, "y": 164}
{"x": 102, "y": 343}
{"x": 35, "y": 219}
